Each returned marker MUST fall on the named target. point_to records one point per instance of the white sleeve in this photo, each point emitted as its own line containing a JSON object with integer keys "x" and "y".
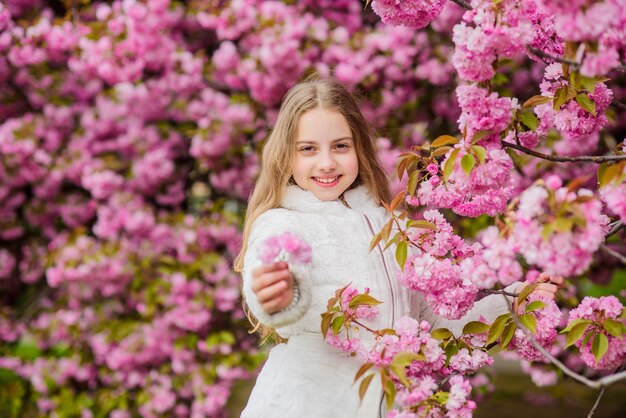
{"x": 264, "y": 227}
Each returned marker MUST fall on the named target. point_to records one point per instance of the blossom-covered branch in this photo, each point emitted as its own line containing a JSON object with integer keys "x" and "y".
{"x": 598, "y": 159}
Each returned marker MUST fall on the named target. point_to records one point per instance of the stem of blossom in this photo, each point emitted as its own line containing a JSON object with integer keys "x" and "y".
{"x": 499, "y": 292}
{"x": 614, "y": 253}
{"x": 373, "y": 331}
{"x": 539, "y": 53}
{"x": 615, "y": 227}
{"x": 598, "y": 159}
{"x": 618, "y": 105}
{"x": 553, "y": 360}
{"x": 463, "y": 4}
{"x": 595, "y": 405}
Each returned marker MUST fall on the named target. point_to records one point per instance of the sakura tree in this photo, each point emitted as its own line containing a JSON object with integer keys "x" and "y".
{"x": 129, "y": 138}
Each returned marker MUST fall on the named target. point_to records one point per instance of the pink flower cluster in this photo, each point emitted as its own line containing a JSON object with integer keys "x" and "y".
{"x": 498, "y": 32}
{"x": 598, "y": 310}
{"x": 571, "y": 119}
{"x": 499, "y": 254}
{"x": 285, "y": 247}
{"x": 486, "y": 190}
{"x": 440, "y": 268}
{"x": 412, "y": 13}
{"x": 569, "y": 247}
{"x": 547, "y": 319}
{"x": 602, "y": 22}
{"x": 614, "y": 195}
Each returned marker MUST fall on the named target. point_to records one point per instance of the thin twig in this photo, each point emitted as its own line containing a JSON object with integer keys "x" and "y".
{"x": 598, "y": 159}
{"x": 615, "y": 227}
{"x": 595, "y": 405}
{"x": 614, "y": 253}
{"x": 539, "y": 53}
{"x": 463, "y": 4}
{"x": 618, "y": 105}
{"x": 596, "y": 384}
{"x": 582, "y": 379}
{"x": 499, "y": 292}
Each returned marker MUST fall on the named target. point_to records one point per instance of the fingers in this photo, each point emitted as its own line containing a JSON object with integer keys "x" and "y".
{"x": 267, "y": 268}
{"x": 558, "y": 280}
{"x": 271, "y": 292}
{"x": 546, "y": 290}
{"x": 265, "y": 276}
{"x": 280, "y": 301}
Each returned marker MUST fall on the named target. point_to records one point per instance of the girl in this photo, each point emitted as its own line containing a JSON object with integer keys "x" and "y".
{"x": 321, "y": 180}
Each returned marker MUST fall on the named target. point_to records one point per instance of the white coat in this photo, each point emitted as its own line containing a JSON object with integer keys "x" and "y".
{"x": 306, "y": 377}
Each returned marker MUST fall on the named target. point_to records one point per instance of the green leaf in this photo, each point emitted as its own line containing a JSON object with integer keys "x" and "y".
{"x": 401, "y": 253}
{"x": 444, "y": 140}
{"x": 390, "y": 393}
{"x": 338, "y": 323}
{"x": 600, "y": 346}
{"x": 364, "y": 368}
{"x": 613, "y": 327}
{"x": 450, "y": 350}
{"x": 441, "y": 333}
{"x": 480, "y": 135}
{"x": 560, "y": 96}
{"x": 575, "y": 322}
{"x": 401, "y": 361}
{"x": 375, "y": 240}
{"x": 562, "y": 224}
{"x": 412, "y": 185}
{"x": 536, "y": 100}
{"x": 507, "y": 334}
{"x": 529, "y": 119}
{"x": 467, "y": 163}
{"x": 588, "y": 83}
{"x": 529, "y": 321}
{"x": 326, "y": 321}
{"x": 450, "y": 162}
{"x": 422, "y": 223}
{"x": 496, "y": 328}
{"x": 534, "y": 306}
{"x": 586, "y": 103}
{"x": 440, "y": 151}
{"x": 575, "y": 333}
{"x": 475, "y": 327}
{"x": 480, "y": 152}
{"x": 363, "y": 299}
{"x": 525, "y": 292}
{"x": 365, "y": 383}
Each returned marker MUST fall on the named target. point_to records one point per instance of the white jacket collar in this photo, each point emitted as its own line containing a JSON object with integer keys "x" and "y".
{"x": 302, "y": 200}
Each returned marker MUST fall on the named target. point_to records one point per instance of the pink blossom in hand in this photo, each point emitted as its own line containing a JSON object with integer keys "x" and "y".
{"x": 285, "y": 247}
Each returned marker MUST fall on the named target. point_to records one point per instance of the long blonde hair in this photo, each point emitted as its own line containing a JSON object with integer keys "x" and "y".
{"x": 279, "y": 150}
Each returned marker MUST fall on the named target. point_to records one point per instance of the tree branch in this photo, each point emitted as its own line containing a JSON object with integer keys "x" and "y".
{"x": 539, "y": 53}
{"x": 596, "y": 384}
{"x": 463, "y": 4}
{"x": 598, "y": 159}
{"x": 595, "y": 405}
{"x": 615, "y": 227}
{"x": 614, "y": 253}
{"x": 499, "y": 292}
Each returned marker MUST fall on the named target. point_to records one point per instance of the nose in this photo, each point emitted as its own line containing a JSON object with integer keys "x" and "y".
{"x": 326, "y": 161}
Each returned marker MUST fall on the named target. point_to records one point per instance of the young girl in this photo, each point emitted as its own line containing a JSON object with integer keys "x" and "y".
{"x": 321, "y": 180}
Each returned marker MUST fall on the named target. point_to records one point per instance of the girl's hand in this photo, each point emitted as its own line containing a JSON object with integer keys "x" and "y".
{"x": 273, "y": 286}
{"x": 547, "y": 288}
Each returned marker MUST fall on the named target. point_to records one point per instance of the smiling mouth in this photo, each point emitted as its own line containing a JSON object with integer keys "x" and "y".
{"x": 326, "y": 180}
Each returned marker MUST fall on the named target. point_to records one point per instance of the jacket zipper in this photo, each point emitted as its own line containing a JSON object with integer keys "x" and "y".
{"x": 382, "y": 256}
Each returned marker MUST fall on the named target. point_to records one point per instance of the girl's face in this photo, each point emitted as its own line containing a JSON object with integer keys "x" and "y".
{"x": 326, "y": 162}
